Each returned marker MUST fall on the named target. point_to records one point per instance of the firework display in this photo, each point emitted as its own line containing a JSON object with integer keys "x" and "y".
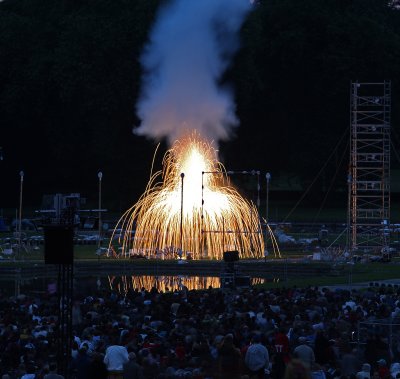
{"x": 193, "y": 211}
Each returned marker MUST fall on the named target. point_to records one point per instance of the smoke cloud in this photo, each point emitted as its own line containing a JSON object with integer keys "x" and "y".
{"x": 190, "y": 47}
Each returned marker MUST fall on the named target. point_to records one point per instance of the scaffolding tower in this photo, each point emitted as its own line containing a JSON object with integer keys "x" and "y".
{"x": 369, "y": 176}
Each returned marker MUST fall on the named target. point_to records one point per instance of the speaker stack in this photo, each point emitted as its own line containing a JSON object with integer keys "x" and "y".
{"x": 58, "y": 244}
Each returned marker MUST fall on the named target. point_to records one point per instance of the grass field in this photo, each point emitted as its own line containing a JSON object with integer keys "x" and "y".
{"x": 359, "y": 273}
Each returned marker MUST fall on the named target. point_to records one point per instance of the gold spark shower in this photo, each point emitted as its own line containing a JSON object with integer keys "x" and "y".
{"x": 193, "y": 210}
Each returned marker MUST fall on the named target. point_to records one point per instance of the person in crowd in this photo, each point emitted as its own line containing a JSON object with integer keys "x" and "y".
{"x": 365, "y": 372}
{"x": 53, "y": 372}
{"x": 115, "y": 358}
{"x": 208, "y": 334}
{"x": 30, "y": 371}
{"x": 256, "y": 358}
{"x": 304, "y": 352}
{"x": 97, "y": 369}
{"x": 132, "y": 370}
{"x": 80, "y": 365}
{"x": 296, "y": 369}
{"x": 229, "y": 359}
{"x": 349, "y": 362}
{"x": 383, "y": 369}
{"x": 395, "y": 370}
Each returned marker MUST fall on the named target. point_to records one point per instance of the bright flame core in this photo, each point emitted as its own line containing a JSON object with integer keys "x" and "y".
{"x": 194, "y": 210}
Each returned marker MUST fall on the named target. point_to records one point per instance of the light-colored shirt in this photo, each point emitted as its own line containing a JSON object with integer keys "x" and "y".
{"x": 115, "y": 357}
{"x": 306, "y": 354}
{"x": 256, "y": 357}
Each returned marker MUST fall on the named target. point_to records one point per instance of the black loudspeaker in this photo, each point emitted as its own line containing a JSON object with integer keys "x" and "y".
{"x": 231, "y": 256}
{"x": 58, "y": 244}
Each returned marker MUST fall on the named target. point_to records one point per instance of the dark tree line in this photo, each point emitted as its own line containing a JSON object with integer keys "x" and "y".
{"x": 70, "y": 78}
{"x": 293, "y": 79}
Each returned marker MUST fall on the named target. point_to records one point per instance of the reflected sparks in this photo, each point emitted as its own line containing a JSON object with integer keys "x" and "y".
{"x": 122, "y": 284}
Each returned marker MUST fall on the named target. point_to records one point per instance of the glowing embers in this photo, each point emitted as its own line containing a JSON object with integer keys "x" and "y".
{"x": 164, "y": 283}
{"x": 193, "y": 212}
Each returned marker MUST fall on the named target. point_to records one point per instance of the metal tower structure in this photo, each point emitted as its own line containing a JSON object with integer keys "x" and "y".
{"x": 369, "y": 176}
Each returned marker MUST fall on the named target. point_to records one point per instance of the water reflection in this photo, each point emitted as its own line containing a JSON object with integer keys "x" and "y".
{"x": 87, "y": 285}
{"x": 168, "y": 283}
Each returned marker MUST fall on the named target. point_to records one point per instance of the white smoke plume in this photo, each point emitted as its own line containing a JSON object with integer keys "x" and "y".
{"x": 190, "y": 47}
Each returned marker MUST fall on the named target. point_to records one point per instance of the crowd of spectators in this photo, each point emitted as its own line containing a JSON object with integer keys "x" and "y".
{"x": 215, "y": 333}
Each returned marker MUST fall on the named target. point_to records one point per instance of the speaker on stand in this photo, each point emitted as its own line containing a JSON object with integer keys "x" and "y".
{"x": 228, "y": 274}
{"x": 231, "y": 276}
{"x": 58, "y": 244}
{"x": 59, "y": 250}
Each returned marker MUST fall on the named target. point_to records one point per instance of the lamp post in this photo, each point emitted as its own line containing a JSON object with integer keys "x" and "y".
{"x": 268, "y": 177}
{"x": 181, "y": 247}
{"x": 100, "y": 176}
{"x": 21, "y": 174}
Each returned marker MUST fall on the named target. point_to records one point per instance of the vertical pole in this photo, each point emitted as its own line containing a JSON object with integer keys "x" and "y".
{"x": 202, "y": 216}
{"x": 21, "y": 174}
{"x": 391, "y": 335}
{"x": 268, "y": 177}
{"x": 61, "y": 340}
{"x": 352, "y": 170}
{"x": 349, "y": 247}
{"x": 258, "y": 190}
{"x": 100, "y": 176}
{"x": 182, "y": 176}
{"x": 70, "y": 296}
{"x": 258, "y": 198}
{"x": 223, "y": 234}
